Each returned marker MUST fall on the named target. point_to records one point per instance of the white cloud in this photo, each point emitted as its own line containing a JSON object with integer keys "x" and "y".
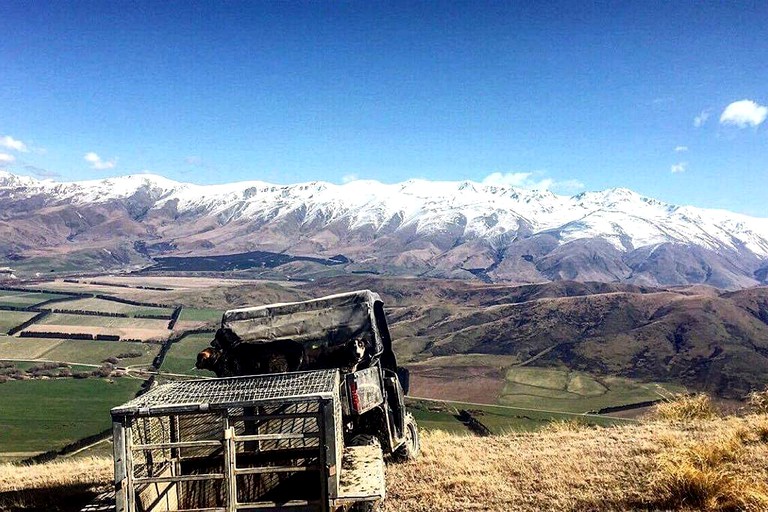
{"x": 10, "y": 143}
{"x": 744, "y": 113}
{"x": 681, "y": 149}
{"x": 5, "y": 158}
{"x": 679, "y": 167}
{"x": 700, "y": 119}
{"x": 528, "y": 180}
{"x": 349, "y": 177}
{"x": 97, "y": 163}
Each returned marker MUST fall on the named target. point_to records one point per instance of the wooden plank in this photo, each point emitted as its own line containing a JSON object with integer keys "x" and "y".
{"x": 230, "y": 462}
{"x": 274, "y": 505}
{"x": 362, "y": 477}
{"x": 276, "y": 437}
{"x": 174, "y": 444}
{"x": 283, "y": 416}
{"x": 121, "y": 483}
{"x": 178, "y": 478}
{"x": 275, "y": 469}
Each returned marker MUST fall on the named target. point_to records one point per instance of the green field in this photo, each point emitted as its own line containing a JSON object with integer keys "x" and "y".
{"x": 24, "y": 299}
{"x": 10, "y": 319}
{"x": 200, "y": 315}
{"x": 103, "y": 321}
{"x": 39, "y": 415}
{"x": 571, "y": 391}
{"x": 182, "y": 355}
{"x": 108, "y": 306}
{"x": 76, "y": 351}
{"x": 435, "y": 415}
{"x": 25, "y": 348}
{"x": 94, "y": 352}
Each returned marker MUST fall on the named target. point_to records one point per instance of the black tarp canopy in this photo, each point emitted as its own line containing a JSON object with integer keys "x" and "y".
{"x": 325, "y": 322}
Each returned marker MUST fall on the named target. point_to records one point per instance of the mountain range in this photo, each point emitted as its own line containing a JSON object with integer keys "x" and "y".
{"x": 415, "y": 228}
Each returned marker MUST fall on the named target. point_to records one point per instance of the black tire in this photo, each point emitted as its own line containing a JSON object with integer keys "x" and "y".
{"x": 411, "y": 449}
{"x": 365, "y": 506}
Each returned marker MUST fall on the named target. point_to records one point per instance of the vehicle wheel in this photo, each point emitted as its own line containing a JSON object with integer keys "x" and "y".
{"x": 411, "y": 448}
{"x": 365, "y": 506}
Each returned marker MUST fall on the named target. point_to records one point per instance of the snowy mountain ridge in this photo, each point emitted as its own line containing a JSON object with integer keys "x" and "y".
{"x": 622, "y": 217}
{"x": 417, "y": 228}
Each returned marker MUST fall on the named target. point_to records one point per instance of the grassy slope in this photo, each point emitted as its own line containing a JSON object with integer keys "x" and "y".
{"x": 621, "y": 469}
{"x": 10, "y": 319}
{"x": 38, "y": 415}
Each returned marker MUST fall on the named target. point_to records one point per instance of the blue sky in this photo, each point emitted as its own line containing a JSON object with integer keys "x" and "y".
{"x": 570, "y": 96}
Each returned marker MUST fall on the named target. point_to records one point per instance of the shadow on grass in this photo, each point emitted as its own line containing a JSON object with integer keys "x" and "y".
{"x": 69, "y": 498}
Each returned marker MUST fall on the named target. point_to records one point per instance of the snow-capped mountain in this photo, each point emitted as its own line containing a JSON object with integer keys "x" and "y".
{"x": 456, "y": 229}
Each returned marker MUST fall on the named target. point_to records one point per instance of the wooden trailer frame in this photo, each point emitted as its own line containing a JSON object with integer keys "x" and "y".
{"x": 214, "y": 445}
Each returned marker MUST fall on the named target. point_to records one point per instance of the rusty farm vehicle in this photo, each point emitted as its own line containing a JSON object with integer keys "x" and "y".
{"x": 307, "y": 440}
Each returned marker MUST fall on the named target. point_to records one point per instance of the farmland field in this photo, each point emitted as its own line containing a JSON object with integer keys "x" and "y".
{"x": 10, "y": 319}
{"x": 25, "y": 348}
{"x": 182, "y": 355}
{"x": 110, "y": 306}
{"x": 571, "y": 391}
{"x": 200, "y": 315}
{"x": 494, "y": 379}
{"x": 39, "y": 415}
{"x": 439, "y": 415}
{"x": 24, "y": 299}
{"x": 126, "y": 328}
{"x": 94, "y": 352}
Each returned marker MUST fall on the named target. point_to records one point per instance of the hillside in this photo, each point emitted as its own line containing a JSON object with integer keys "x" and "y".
{"x": 704, "y": 465}
{"x": 698, "y": 337}
{"x": 416, "y": 228}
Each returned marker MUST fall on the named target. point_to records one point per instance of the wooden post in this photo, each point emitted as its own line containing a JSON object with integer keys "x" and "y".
{"x": 121, "y": 484}
{"x": 230, "y": 462}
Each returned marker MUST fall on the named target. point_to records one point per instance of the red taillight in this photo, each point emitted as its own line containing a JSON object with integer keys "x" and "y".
{"x": 353, "y": 396}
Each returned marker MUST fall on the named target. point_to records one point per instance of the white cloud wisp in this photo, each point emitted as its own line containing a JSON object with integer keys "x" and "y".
{"x": 528, "y": 180}
{"x": 9, "y": 142}
{"x": 744, "y": 113}
{"x": 97, "y": 162}
{"x": 679, "y": 167}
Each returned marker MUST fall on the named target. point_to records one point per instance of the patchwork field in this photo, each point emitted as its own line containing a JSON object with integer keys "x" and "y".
{"x": 128, "y": 328}
{"x": 443, "y": 415}
{"x": 493, "y": 379}
{"x": 38, "y": 415}
{"x": 109, "y": 306}
{"x": 24, "y": 299}
{"x": 565, "y": 390}
{"x": 10, "y": 319}
{"x": 95, "y": 352}
{"x": 25, "y": 348}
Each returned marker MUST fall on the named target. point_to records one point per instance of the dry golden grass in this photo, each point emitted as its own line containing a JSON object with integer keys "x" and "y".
{"x": 686, "y": 408}
{"x": 54, "y": 485}
{"x": 88, "y": 470}
{"x": 719, "y": 464}
{"x": 757, "y": 401}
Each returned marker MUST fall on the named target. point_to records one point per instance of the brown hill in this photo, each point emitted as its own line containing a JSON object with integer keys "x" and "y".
{"x": 695, "y": 336}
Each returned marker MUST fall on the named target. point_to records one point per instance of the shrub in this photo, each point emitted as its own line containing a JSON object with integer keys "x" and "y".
{"x": 758, "y": 401}
{"x": 686, "y": 408}
{"x": 705, "y": 476}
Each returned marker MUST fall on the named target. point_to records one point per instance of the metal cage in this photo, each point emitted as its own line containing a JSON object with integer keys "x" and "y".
{"x": 249, "y": 443}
